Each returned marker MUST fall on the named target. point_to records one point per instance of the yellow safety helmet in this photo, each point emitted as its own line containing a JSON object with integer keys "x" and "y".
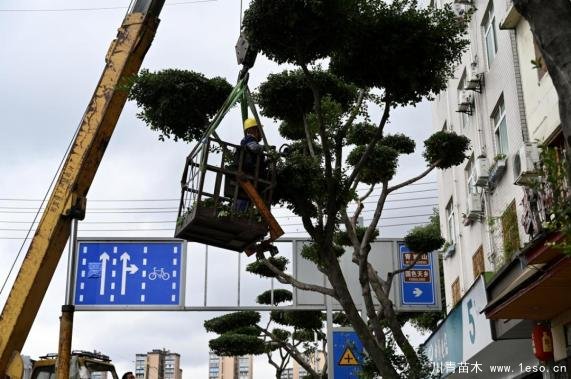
{"x": 249, "y": 123}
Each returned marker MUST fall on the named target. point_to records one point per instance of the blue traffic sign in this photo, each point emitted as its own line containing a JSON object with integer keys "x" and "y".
{"x": 418, "y": 284}
{"x": 129, "y": 274}
{"x": 348, "y": 354}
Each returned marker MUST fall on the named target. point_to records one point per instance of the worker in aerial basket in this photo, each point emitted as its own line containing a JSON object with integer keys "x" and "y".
{"x": 251, "y": 144}
{"x": 252, "y": 155}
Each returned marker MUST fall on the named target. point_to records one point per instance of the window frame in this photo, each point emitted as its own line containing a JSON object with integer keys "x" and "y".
{"x": 450, "y": 222}
{"x": 489, "y": 25}
{"x": 500, "y": 134}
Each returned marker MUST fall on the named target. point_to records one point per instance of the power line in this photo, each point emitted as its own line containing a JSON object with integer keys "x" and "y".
{"x": 48, "y": 10}
{"x": 172, "y": 222}
{"x": 173, "y": 199}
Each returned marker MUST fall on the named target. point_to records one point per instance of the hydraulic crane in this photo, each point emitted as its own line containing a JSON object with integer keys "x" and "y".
{"x": 68, "y": 198}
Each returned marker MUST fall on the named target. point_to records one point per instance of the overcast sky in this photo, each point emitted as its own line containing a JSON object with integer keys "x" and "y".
{"x": 50, "y": 62}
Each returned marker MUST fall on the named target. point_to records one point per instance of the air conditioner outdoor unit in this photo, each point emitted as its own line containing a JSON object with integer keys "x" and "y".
{"x": 473, "y": 78}
{"x": 525, "y": 164}
{"x": 466, "y": 97}
{"x": 465, "y": 102}
{"x": 482, "y": 171}
{"x": 474, "y": 210}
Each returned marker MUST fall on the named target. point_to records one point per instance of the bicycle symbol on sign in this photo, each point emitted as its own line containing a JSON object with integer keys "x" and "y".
{"x": 161, "y": 274}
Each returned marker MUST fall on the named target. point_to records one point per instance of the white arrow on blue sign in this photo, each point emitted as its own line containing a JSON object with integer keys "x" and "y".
{"x": 131, "y": 274}
{"x": 418, "y": 285}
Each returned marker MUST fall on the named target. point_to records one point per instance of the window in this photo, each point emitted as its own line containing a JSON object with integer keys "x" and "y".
{"x": 500, "y": 128}
{"x": 451, "y": 225}
{"x": 456, "y": 291}
{"x": 478, "y": 262}
{"x": 470, "y": 173}
{"x": 490, "y": 39}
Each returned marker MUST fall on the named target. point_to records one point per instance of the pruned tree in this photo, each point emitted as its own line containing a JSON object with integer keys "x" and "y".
{"x": 352, "y": 58}
{"x": 389, "y": 55}
{"x": 551, "y": 27}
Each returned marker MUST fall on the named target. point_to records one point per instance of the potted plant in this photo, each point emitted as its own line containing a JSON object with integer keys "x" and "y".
{"x": 498, "y": 168}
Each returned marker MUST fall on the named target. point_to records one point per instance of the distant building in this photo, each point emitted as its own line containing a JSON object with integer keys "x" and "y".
{"x": 316, "y": 361}
{"x": 158, "y": 364}
{"x": 230, "y": 367}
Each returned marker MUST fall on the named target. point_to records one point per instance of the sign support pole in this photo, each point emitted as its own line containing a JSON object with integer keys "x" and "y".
{"x": 205, "y": 275}
{"x": 329, "y": 313}
{"x": 67, "y": 310}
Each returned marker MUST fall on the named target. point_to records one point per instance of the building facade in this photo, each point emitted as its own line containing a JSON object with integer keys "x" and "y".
{"x": 492, "y": 208}
{"x": 158, "y": 364}
{"x": 230, "y": 367}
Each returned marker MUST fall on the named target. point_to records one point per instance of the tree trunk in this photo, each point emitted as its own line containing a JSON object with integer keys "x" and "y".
{"x": 375, "y": 352}
{"x": 550, "y": 23}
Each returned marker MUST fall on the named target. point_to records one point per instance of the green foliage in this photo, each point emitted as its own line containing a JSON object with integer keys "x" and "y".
{"x": 281, "y": 334}
{"x": 447, "y": 149}
{"x": 401, "y": 143}
{"x": 341, "y": 319}
{"x": 301, "y": 182}
{"x": 280, "y": 296}
{"x": 510, "y": 232}
{"x": 311, "y": 252}
{"x": 246, "y": 330}
{"x": 361, "y": 133}
{"x": 260, "y": 268}
{"x": 296, "y": 31}
{"x": 298, "y": 319}
{"x": 398, "y": 361}
{"x": 178, "y": 103}
{"x": 554, "y": 181}
{"x": 232, "y": 321}
{"x": 304, "y": 335}
{"x": 380, "y": 165}
{"x": 342, "y": 237}
{"x": 287, "y": 96}
{"x": 230, "y": 345}
{"x": 407, "y": 51}
{"x": 424, "y": 239}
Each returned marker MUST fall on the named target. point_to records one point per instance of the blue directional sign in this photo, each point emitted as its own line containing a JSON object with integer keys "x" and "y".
{"x": 130, "y": 274}
{"x": 347, "y": 354}
{"x": 418, "y": 284}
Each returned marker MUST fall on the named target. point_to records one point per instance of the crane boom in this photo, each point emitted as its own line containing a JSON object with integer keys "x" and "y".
{"x": 67, "y": 200}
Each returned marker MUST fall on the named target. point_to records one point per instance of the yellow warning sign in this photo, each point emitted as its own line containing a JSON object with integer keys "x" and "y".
{"x": 348, "y": 358}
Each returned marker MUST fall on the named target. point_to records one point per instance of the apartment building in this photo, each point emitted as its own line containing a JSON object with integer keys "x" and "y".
{"x": 230, "y": 367}
{"x": 316, "y": 360}
{"x": 158, "y": 364}
{"x": 495, "y": 246}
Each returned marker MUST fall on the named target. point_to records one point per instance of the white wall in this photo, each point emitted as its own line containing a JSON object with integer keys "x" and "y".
{"x": 500, "y": 80}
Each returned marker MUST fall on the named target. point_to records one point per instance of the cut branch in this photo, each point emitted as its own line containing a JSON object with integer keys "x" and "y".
{"x": 288, "y": 279}
{"x": 416, "y": 178}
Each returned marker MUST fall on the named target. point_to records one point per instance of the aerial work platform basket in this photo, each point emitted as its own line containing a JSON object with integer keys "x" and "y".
{"x": 223, "y": 202}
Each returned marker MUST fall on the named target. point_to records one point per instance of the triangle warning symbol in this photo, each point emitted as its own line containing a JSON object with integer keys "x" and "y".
{"x": 348, "y": 358}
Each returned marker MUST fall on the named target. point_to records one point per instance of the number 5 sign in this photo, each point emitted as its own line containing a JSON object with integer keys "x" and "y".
{"x": 477, "y": 331}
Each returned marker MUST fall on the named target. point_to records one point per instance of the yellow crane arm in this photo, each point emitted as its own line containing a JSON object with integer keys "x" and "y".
{"x": 67, "y": 200}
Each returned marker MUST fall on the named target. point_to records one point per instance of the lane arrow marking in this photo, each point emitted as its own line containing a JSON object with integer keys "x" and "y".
{"x": 125, "y": 257}
{"x": 103, "y": 258}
